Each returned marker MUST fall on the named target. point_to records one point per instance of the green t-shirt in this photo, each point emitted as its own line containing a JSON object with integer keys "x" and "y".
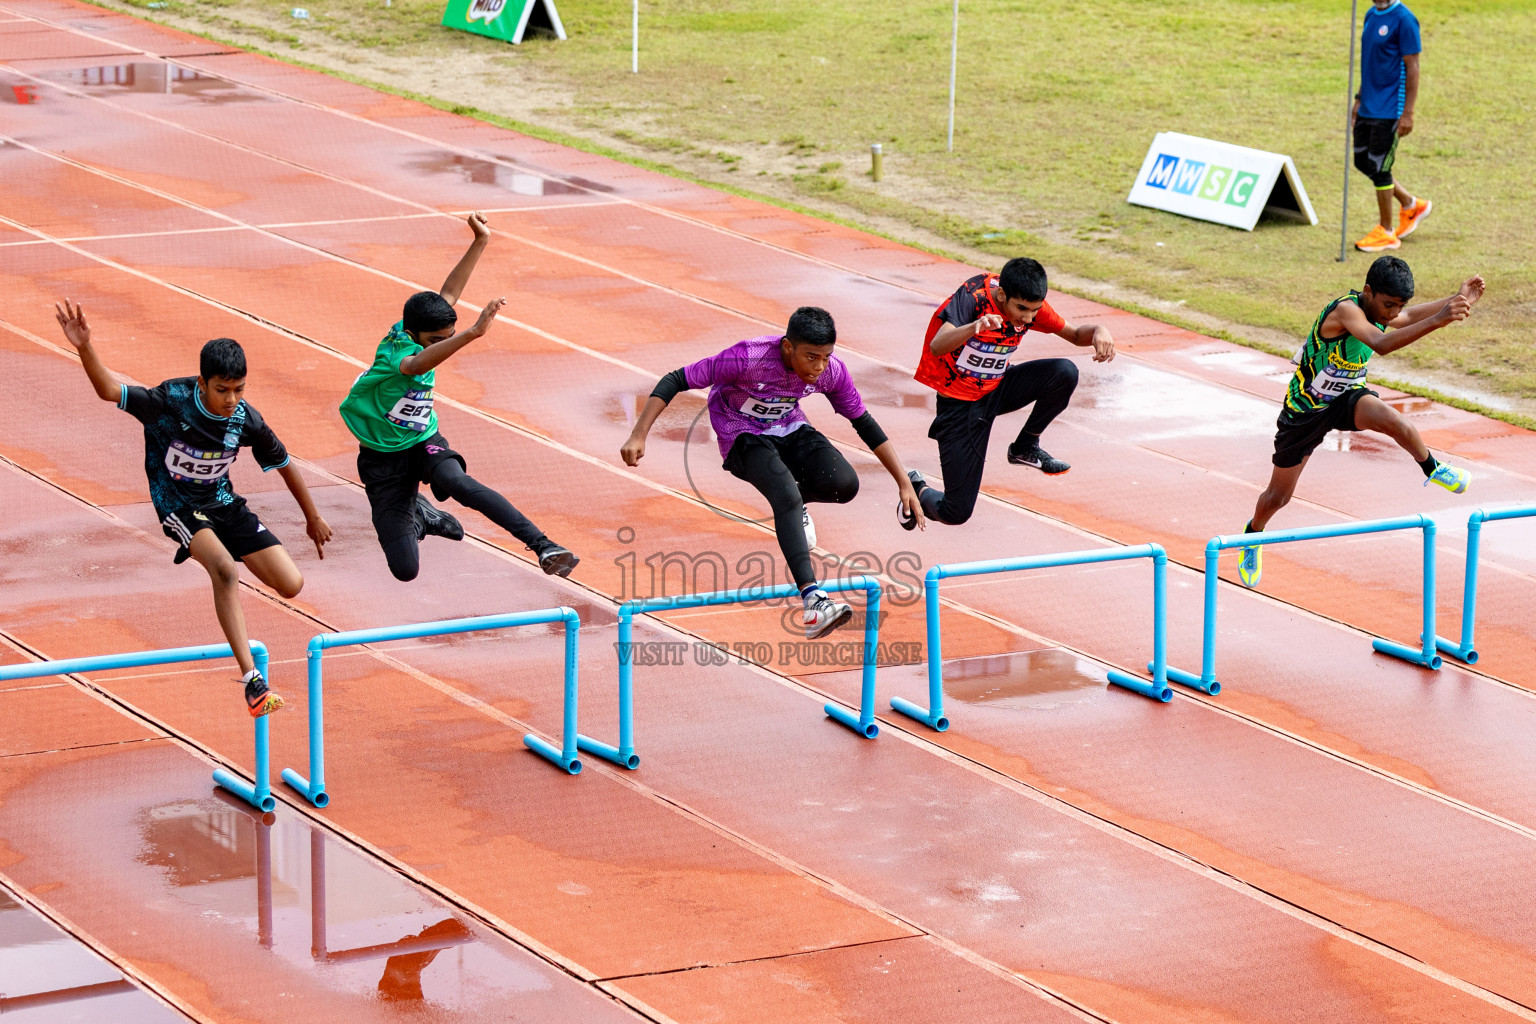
{"x": 1327, "y": 367}
{"x": 386, "y": 410}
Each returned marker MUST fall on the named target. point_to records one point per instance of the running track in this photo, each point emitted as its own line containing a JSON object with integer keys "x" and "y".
{"x": 1337, "y": 837}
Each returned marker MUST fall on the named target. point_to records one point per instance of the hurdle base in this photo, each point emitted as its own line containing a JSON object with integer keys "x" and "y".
{"x": 1189, "y": 679}
{"x": 261, "y": 800}
{"x": 1138, "y": 685}
{"x": 869, "y": 730}
{"x": 299, "y": 784}
{"x": 1465, "y": 653}
{"x": 623, "y": 758}
{"x": 553, "y": 754}
{"x": 933, "y": 720}
{"x": 1409, "y": 654}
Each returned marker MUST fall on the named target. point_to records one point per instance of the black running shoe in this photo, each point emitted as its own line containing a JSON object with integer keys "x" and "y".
{"x": 556, "y": 560}
{"x": 919, "y": 485}
{"x": 434, "y": 522}
{"x": 259, "y": 700}
{"x": 1037, "y": 457}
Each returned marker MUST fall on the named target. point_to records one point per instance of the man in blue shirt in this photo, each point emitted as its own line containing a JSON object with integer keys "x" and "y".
{"x": 1383, "y": 113}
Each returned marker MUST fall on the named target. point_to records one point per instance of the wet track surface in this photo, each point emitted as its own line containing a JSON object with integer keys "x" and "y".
{"x": 1337, "y": 836}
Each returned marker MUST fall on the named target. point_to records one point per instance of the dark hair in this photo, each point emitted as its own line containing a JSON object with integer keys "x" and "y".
{"x": 1390, "y": 275}
{"x": 811, "y": 325}
{"x": 1023, "y": 278}
{"x": 222, "y": 357}
{"x": 428, "y": 311}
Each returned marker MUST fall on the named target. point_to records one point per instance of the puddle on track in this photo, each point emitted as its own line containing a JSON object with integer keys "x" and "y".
{"x": 47, "y": 975}
{"x": 490, "y": 172}
{"x": 153, "y": 77}
{"x": 325, "y": 907}
{"x": 1024, "y": 680}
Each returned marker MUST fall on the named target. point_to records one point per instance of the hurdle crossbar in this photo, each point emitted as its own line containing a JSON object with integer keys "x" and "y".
{"x": 313, "y": 788}
{"x": 257, "y": 793}
{"x": 1206, "y": 680}
{"x": 1466, "y": 649}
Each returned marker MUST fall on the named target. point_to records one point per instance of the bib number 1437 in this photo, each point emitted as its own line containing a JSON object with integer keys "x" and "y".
{"x": 191, "y": 466}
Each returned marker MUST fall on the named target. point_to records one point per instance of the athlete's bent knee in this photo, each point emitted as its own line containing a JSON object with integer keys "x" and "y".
{"x": 290, "y": 588}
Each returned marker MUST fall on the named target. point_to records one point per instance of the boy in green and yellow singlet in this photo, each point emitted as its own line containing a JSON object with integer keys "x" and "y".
{"x": 1328, "y": 392}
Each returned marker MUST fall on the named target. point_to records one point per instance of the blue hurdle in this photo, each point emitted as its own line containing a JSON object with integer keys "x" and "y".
{"x": 864, "y": 723}
{"x": 313, "y": 788}
{"x": 258, "y": 795}
{"x": 1465, "y": 650}
{"x": 1426, "y": 657}
{"x": 933, "y": 715}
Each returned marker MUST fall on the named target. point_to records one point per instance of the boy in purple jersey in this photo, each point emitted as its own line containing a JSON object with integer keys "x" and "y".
{"x": 754, "y": 405}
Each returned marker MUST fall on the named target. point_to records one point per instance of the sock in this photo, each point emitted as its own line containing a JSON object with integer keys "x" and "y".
{"x": 1249, "y": 528}
{"x": 250, "y": 677}
{"x": 1027, "y": 440}
{"x": 1429, "y": 465}
{"x": 809, "y": 591}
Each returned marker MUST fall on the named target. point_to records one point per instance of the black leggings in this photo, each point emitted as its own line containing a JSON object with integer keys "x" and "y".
{"x": 963, "y": 429}
{"x": 800, "y": 467}
{"x": 448, "y": 480}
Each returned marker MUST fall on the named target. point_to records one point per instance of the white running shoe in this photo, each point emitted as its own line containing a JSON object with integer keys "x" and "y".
{"x": 810, "y": 527}
{"x": 823, "y": 615}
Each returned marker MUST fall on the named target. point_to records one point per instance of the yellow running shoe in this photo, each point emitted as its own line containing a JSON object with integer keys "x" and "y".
{"x": 1411, "y": 217}
{"x": 1250, "y": 566}
{"x": 1452, "y": 479}
{"x": 1379, "y": 238}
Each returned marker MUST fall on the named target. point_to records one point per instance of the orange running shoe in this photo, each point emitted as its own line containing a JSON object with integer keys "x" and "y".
{"x": 259, "y": 700}
{"x": 1379, "y": 238}
{"x": 1411, "y": 217}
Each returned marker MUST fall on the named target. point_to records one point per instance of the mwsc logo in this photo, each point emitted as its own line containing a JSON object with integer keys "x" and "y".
{"x": 1202, "y": 180}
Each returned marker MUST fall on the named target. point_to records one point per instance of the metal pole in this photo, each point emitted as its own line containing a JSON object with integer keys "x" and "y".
{"x": 954, "y": 56}
{"x": 1349, "y": 142}
{"x": 634, "y": 38}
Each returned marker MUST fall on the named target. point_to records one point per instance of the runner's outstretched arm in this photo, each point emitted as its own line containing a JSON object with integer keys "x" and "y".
{"x": 1471, "y": 289}
{"x": 435, "y": 354}
{"x": 71, "y": 317}
{"x": 1090, "y": 335}
{"x": 1353, "y": 319}
{"x": 458, "y": 277}
{"x": 317, "y": 528}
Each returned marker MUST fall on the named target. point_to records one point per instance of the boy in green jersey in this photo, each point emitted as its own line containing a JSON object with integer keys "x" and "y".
{"x": 1328, "y": 392}
{"x": 390, "y": 411}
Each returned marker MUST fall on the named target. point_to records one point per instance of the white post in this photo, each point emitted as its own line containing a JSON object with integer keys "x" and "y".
{"x": 954, "y": 53}
{"x": 634, "y": 38}
{"x": 1349, "y": 142}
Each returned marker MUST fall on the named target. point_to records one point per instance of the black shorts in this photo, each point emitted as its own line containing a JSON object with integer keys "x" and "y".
{"x": 235, "y": 525}
{"x": 1297, "y": 436}
{"x": 391, "y": 479}
{"x": 1375, "y": 149}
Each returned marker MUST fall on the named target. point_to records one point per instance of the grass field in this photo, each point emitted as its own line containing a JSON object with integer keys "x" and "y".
{"x": 1058, "y": 100}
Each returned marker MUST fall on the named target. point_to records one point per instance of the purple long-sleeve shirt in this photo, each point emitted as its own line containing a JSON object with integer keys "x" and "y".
{"x": 753, "y": 392}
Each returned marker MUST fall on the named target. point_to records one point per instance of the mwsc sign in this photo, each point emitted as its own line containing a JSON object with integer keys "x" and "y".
{"x": 1218, "y": 182}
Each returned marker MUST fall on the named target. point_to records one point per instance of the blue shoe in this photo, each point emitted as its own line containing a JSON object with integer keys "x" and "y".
{"x": 1250, "y": 566}
{"x": 1452, "y": 479}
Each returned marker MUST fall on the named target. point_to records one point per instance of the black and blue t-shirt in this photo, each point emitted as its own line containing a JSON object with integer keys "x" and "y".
{"x": 188, "y": 450}
{"x": 1389, "y": 35}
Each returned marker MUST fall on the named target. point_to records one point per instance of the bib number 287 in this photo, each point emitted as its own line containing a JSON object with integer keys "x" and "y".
{"x": 413, "y": 411}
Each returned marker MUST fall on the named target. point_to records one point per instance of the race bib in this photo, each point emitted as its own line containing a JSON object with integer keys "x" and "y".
{"x": 191, "y": 466}
{"x": 413, "y": 411}
{"x": 1332, "y": 381}
{"x": 769, "y": 410}
{"x": 984, "y": 359}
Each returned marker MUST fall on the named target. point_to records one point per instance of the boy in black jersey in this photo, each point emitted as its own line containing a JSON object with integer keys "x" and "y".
{"x": 194, "y": 427}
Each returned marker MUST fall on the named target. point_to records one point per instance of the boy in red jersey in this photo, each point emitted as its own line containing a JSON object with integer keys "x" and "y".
{"x": 966, "y": 354}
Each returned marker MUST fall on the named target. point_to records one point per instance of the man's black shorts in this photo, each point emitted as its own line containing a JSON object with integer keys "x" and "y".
{"x": 235, "y": 525}
{"x": 1298, "y": 436}
{"x": 1375, "y": 149}
{"x": 391, "y": 479}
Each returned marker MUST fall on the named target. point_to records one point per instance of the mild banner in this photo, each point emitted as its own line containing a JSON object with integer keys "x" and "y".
{"x": 1219, "y": 182}
{"x": 503, "y": 19}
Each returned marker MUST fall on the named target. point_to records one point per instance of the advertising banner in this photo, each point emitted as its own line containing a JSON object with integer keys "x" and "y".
{"x": 503, "y": 19}
{"x": 1219, "y": 182}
